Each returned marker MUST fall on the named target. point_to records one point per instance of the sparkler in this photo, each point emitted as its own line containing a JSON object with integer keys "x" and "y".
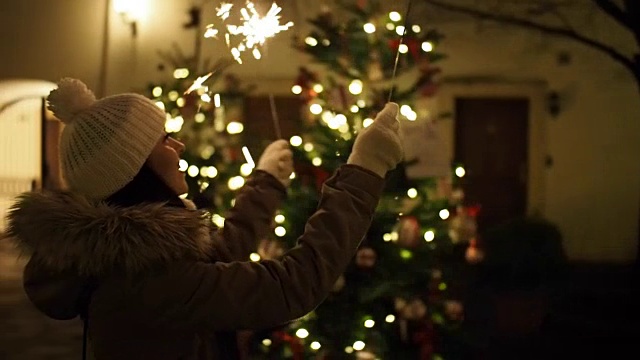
{"x": 199, "y": 83}
{"x": 247, "y": 156}
{"x": 253, "y": 31}
{"x": 395, "y": 65}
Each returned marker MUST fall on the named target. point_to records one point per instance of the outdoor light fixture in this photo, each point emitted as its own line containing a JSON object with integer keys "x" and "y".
{"x": 131, "y": 11}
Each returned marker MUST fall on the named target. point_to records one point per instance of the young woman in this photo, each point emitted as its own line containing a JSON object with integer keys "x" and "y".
{"x": 149, "y": 274}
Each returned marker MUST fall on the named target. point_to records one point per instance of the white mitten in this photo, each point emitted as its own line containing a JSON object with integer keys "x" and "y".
{"x": 277, "y": 160}
{"x": 377, "y": 147}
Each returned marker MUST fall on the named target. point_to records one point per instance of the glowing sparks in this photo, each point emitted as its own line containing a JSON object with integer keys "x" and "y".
{"x": 224, "y": 11}
{"x": 253, "y": 31}
{"x": 198, "y": 83}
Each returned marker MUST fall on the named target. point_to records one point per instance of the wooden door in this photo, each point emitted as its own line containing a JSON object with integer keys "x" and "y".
{"x": 491, "y": 141}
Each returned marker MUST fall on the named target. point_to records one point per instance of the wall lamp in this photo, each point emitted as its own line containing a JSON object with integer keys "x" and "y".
{"x": 131, "y": 11}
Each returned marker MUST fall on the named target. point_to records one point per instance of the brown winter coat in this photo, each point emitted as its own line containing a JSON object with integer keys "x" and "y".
{"x": 167, "y": 282}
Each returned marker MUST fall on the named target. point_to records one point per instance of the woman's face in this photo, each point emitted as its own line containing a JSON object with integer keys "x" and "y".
{"x": 164, "y": 161}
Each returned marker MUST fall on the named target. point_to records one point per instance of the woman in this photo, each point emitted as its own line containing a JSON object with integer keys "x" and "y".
{"x": 148, "y": 274}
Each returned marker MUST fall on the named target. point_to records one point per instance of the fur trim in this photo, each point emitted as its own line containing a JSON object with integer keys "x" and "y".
{"x": 70, "y": 232}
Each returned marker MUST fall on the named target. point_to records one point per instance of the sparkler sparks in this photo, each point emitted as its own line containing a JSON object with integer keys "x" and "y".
{"x": 252, "y": 33}
{"x": 198, "y": 83}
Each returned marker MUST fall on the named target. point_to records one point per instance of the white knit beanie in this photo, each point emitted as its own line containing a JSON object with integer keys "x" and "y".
{"x": 105, "y": 142}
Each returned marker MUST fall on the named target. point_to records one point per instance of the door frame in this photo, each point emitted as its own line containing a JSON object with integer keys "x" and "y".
{"x": 535, "y": 92}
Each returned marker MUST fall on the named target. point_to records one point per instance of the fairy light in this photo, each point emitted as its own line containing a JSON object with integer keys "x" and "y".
{"x": 173, "y": 125}
{"x": 369, "y": 28}
{"x": 308, "y": 147}
{"x": 295, "y": 140}
{"x": 280, "y": 231}
{"x": 193, "y": 171}
{"x": 315, "y": 345}
{"x": 296, "y": 89}
{"x": 254, "y": 257}
{"x": 211, "y": 172}
{"x": 395, "y": 16}
{"x": 253, "y": 31}
{"x": 235, "y": 183}
{"x": 302, "y": 333}
{"x": 235, "y": 127}
{"x": 217, "y": 220}
{"x": 429, "y": 235}
{"x": 369, "y": 323}
{"x": 181, "y": 73}
{"x": 427, "y": 46}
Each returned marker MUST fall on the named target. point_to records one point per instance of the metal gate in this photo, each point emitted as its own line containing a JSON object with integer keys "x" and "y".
{"x": 21, "y": 139}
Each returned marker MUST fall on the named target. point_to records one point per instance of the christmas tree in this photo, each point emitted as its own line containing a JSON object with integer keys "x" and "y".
{"x": 396, "y": 300}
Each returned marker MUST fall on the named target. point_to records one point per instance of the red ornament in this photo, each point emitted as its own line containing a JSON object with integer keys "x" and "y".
{"x": 297, "y": 349}
{"x": 366, "y": 258}
{"x": 474, "y": 253}
{"x": 425, "y": 339}
{"x": 408, "y": 230}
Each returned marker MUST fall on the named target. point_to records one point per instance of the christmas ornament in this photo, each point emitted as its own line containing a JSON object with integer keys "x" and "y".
{"x": 366, "y": 258}
{"x": 474, "y": 253}
{"x": 436, "y": 274}
{"x": 374, "y": 69}
{"x": 463, "y": 226}
{"x": 454, "y": 310}
{"x": 457, "y": 195}
{"x": 408, "y": 230}
{"x": 414, "y": 309}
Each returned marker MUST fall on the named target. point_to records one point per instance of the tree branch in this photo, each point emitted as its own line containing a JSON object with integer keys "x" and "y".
{"x": 552, "y": 30}
{"x": 619, "y": 15}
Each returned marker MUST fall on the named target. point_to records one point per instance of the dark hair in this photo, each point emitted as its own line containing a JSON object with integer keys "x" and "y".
{"x": 146, "y": 187}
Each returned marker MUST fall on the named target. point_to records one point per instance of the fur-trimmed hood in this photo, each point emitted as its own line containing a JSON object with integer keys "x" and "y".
{"x": 70, "y": 233}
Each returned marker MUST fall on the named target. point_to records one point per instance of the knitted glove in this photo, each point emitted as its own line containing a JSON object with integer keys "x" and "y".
{"x": 377, "y": 147}
{"x": 277, "y": 160}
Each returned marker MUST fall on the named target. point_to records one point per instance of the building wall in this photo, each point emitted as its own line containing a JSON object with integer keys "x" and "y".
{"x": 591, "y": 191}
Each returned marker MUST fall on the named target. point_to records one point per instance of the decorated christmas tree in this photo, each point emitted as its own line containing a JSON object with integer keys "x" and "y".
{"x": 397, "y": 300}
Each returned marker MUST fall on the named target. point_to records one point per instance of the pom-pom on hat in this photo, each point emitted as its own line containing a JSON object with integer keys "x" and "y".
{"x": 104, "y": 142}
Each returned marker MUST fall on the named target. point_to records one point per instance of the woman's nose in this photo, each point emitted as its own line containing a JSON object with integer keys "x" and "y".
{"x": 178, "y": 146}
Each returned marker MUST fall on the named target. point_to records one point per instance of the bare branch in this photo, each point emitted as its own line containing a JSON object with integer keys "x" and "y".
{"x": 611, "y": 9}
{"x": 552, "y": 30}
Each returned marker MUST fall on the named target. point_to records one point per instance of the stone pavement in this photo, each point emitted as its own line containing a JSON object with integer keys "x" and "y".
{"x": 25, "y": 333}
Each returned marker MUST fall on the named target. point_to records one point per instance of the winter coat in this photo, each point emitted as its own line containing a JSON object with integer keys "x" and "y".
{"x": 167, "y": 282}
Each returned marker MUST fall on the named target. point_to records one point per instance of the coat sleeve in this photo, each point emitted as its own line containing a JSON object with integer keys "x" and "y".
{"x": 249, "y": 220}
{"x": 253, "y": 295}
